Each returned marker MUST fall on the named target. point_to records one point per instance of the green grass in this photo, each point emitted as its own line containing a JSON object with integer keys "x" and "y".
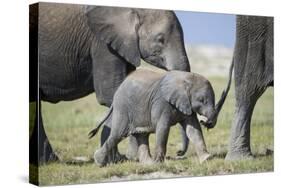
{"x": 68, "y": 123}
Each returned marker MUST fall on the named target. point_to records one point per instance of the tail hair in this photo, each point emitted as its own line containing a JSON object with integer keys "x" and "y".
{"x": 93, "y": 132}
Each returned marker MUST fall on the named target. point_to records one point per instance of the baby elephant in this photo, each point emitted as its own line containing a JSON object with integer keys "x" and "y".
{"x": 149, "y": 102}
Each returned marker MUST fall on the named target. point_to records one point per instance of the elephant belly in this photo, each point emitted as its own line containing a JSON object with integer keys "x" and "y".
{"x": 142, "y": 130}
{"x": 64, "y": 42}
{"x": 141, "y": 123}
{"x": 55, "y": 94}
{"x": 61, "y": 83}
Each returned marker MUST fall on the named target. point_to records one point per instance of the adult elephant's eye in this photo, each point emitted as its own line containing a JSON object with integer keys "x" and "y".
{"x": 157, "y": 50}
{"x": 160, "y": 39}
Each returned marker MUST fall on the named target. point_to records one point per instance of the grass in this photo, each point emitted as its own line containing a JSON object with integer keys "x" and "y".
{"x": 68, "y": 123}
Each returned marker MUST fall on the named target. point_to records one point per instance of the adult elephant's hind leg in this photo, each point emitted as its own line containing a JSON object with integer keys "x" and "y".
{"x": 40, "y": 149}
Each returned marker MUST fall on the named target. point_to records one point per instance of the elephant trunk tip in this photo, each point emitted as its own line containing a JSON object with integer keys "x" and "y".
{"x": 208, "y": 124}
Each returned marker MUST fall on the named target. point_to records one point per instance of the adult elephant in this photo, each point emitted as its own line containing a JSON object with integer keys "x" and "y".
{"x": 253, "y": 69}
{"x": 85, "y": 49}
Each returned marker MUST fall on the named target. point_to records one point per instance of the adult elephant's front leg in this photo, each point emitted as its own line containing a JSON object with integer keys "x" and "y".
{"x": 109, "y": 71}
{"x": 240, "y": 146}
{"x": 249, "y": 87}
{"x": 40, "y": 150}
{"x": 253, "y": 69}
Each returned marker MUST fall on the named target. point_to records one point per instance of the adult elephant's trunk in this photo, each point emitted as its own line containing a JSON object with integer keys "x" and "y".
{"x": 213, "y": 119}
{"x": 175, "y": 54}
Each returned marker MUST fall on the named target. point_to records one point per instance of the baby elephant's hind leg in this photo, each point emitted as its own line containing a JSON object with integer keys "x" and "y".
{"x": 113, "y": 156}
{"x": 101, "y": 154}
{"x": 118, "y": 130}
{"x": 132, "y": 151}
{"x": 139, "y": 133}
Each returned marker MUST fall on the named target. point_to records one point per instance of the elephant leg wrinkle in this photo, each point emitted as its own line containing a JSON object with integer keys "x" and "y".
{"x": 239, "y": 147}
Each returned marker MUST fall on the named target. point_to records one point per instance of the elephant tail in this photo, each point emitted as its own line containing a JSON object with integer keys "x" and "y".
{"x": 220, "y": 103}
{"x": 226, "y": 90}
{"x": 95, "y": 130}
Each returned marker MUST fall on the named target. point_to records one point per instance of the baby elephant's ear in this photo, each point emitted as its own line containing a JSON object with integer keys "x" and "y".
{"x": 175, "y": 89}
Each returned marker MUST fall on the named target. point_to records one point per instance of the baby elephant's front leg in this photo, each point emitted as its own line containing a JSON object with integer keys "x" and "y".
{"x": 194, "y": 133}
{"x": 162, "y": 133}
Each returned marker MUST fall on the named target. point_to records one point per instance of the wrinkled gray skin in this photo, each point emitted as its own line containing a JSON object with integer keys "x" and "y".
{"x": 85, "y": 49}
{"x": 253, "y": 69}
{"x": 149, "y": 102}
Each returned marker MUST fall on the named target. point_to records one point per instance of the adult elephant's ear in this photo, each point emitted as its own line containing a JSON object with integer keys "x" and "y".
{"x": 118, "y": 28}
{"x": 175, "y": 88}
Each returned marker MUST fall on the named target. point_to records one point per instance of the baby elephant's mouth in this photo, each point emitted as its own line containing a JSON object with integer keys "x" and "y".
{"x": 206, "y": 122}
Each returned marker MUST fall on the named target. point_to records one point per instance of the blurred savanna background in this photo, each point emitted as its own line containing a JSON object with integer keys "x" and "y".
{"x": 209, "y": 40}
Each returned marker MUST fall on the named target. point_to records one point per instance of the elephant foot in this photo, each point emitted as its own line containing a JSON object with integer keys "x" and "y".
{"x": 119, "y": 158}
{"x": 100, "y": 158}
{"x": 132, "y": 155}
{"x": 41, "y": 153}
{"x": 269, "y": 152}
{"x": 235, "y": 156}
{"x": 145, "y": 158}
{"x": 204, "y": 157}
{"x": 159, "y": 158}
{"x": 48, "y": 157}
{"x": 180, "y": 153}
{"x": 114, "y": 157}
{"x": 148, "y": 161}
{"x": 52, "y": 157}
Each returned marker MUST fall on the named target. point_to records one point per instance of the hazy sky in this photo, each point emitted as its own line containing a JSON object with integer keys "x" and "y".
{"x": 207, "y": 28}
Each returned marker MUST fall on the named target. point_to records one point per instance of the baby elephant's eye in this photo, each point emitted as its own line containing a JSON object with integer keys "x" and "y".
{"x": 201, "y": 99}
